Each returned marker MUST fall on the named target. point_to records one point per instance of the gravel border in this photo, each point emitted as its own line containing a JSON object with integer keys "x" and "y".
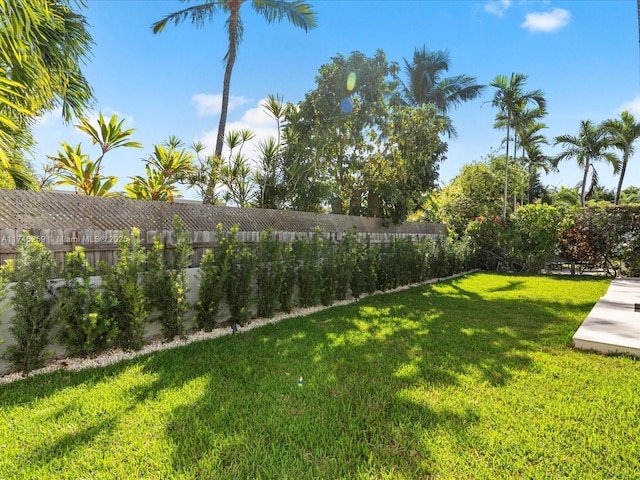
{"x": 113, "y": 356}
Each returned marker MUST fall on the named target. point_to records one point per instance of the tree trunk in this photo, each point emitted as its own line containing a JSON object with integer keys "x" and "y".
{"x": 623, "y": 170}
{"x": 336, "y": 206}
{"x": 506, "y": 178}
{"x": 374, "y": 205}
{"x": 584, "y": 182}
{"x": 234, "y": 17}
{"x": 355, "y": 203}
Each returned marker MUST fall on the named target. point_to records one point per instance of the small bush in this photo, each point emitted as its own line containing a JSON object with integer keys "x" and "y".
{"x": 346, "y": 258}
{"x": 368, "y": 265}
{"x": 6, "y": 271}
{"x": 308, "y": 252}
{"x": 287, "y": 287}
{"x": 165, "y": 282}
{"x": 242, "y": 263}
{"x": 124, "y": 300}
{"x": 269, "y": 274}
{"x": 32, "y": 302}
{"x": 84, "y": 331}
{"x": 212, "y": 276}
{"x": 327, "y": 272}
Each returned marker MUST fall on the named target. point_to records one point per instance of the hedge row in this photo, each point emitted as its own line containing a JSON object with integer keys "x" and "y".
{"x": 153, "y": 284}
{"x": 606, "y": 238}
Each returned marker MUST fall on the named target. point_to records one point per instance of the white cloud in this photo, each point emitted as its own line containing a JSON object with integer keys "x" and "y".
{"x": 547, "y": 21}
{"x": 211, "y": 104}
{"x": 255, "y": 119}
{"x": 632, "y": 106}
{"x": 497, "y": 7}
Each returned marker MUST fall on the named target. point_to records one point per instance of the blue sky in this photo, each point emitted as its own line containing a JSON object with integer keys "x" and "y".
{"x": 583, "y": 54}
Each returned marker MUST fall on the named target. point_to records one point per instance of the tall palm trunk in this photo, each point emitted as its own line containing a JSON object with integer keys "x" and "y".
{"x": 623, "y": 170}
{"x": 506, "y": 177}
{"x": 584, "y": 181}
{"x": 234, "y": 16}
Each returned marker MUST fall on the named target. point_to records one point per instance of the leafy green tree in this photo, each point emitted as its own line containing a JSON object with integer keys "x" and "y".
{"x": 624, "y": 132}
{"x": 511, "y": 101}
{"x": 590, "y": 145}
{"x": 349, "y": 103}
{"x": 474, "y": 192}
{"x": 76, "y": 169}
{"x": 405, "y": 162}
{"x": 303, "y": 176}
{"x": 43, "y": 45}
{"x": 376, "y": 158}
{"x": 426, "y": 84}
{"x": 477, "y": 192}
{"x": 534, "y": 237}
{"x": 269, "y": 174}
{"x": 297, "y": 12}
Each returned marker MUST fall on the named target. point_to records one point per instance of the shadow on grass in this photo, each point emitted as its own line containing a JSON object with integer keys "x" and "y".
{"x": 378, "y": 376}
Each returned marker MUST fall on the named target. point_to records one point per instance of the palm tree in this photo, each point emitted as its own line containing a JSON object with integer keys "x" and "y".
{"x": 590, "y": 145}
{"x": 299, "y": 13}
{"x": 511, "y": 102}
{"x": 425, "y": 84}
{"x": 43, "y": 44}
{"x": 624, "y": 132}
{"x": 165, "y": 167}
{"x": 76, "y": 169}
{"x": 530, "y": 141}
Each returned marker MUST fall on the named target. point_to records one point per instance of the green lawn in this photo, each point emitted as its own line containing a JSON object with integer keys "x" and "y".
{"x": 469, "y": 378}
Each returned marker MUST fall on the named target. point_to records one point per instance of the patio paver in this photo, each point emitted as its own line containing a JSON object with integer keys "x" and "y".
{"x": 613, "y": 325}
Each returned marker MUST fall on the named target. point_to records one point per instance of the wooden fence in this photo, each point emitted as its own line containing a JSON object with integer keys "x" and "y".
{"x": 62, "y": 221}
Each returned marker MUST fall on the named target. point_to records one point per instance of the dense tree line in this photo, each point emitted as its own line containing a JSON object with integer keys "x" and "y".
{"x": 367, "y": 140}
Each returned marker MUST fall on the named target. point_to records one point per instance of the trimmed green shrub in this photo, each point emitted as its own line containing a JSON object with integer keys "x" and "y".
{"x": 6, "y": 271}
{"x": 603, "y": 237}
{"x": 369, "y": 264}
{"x": 308, "y": 253}
{"x": 346, "y": 258}
{"x": 288, "y": 284}
{"x": 124, "y": 300}
{"x": 242, "y": 262}
{"x": 165, "y": 282}
{"x": 32, "y": 302}
{"x": 533, "y": 237}
{"x": 84, "y": 331}
{"x": 212, "y": 276}
{"x": 487, "y": 236}
{"x": 269, "y": 274}
{"x": 327, "y": 272}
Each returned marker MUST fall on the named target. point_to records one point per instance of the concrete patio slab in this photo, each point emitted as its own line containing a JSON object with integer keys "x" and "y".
{"x": 613, "y": 325}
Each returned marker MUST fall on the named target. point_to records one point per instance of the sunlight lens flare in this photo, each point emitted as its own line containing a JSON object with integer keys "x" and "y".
{"x": 351, "y": 81}
{"x": 346, "y": 105}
